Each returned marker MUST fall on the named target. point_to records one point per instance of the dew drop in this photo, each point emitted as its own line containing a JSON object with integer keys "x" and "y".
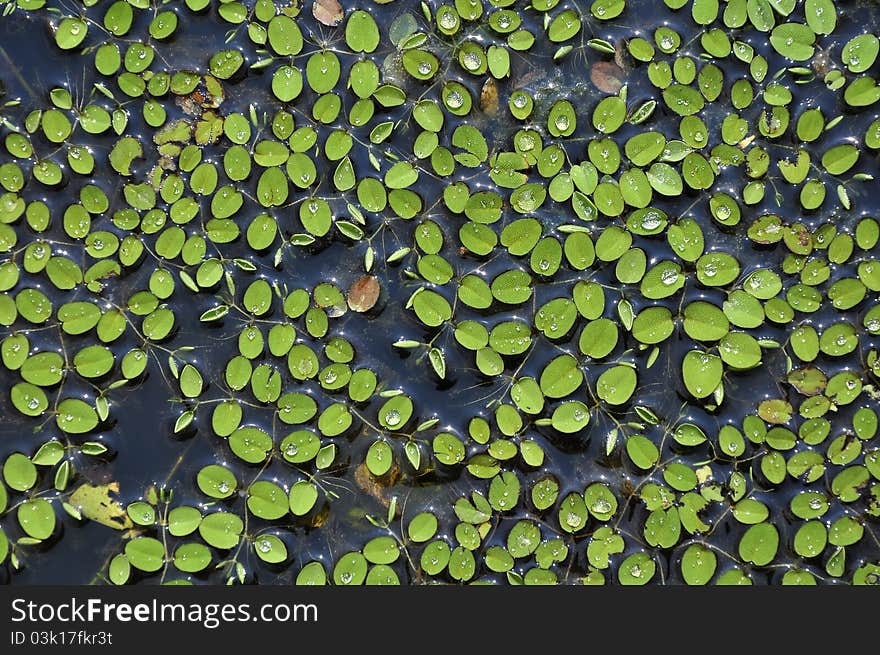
{"x": 392, "y": 418}
{"x": 448, "y": 20}
{"x": 669, "y": 277}
{"x": 471, "y": 61}
{"x": 651, "y": 221}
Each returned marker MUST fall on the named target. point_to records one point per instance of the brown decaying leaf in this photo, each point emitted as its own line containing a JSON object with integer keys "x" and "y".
{"x": 364, "y": 293}
{"x": 489, "y": 97}
{"x": 328, "y": 12}
{"x": 607, "y": 76}
{"x": 376, "y": 486}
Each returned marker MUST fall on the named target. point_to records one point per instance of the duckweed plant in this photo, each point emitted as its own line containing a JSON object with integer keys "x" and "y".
{"x": 463, "y": 291}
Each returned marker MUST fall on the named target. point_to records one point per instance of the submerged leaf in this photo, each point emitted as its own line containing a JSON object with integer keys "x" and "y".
{"x": 489, "y": 101}
{"x": 607, "y": 76}
{"x": 328, "y": 12}
{"x": 363, "y": 294}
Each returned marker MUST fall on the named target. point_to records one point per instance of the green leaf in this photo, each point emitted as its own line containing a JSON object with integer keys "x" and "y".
{"x": 642, "y": 451}
{"x": 19, "y": 472}
{"x": 70, "y": 33}
{"x": 361, "y": 32}
{"x": 126, "y": 150}
{"x": 616, "y": 385}
{"x": 379, "y": 458}
{"x": 698, "y": 565}
{"x": 821, "y": 16}
{"x": 561, "y": 377}
{"x": 76, "y": 416}
{"x": 683, "y": 100}
{"x": 637, "y": 569}
{"x": 267, "y": 500}
{"x": 37, "y": 518}
{"x": 220, "y": 529}
{"x": 702, "y": 373}
{"x": 793, "y": 40}
{"x": 759, "y": 544}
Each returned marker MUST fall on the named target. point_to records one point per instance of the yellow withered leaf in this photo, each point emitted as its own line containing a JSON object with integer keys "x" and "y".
{"x": 95, "y": 504}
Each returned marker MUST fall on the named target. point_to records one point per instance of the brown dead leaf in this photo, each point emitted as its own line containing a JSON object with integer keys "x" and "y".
{"x": 607, "y": 76}
{"x": 376, "y": 486}
{"x": 189, "y": 105}
{"x": 328, "y": 12}
{"x": 364, "y": 293}
{"x": 489, "y": 97}
{"x": 320, "y": 518}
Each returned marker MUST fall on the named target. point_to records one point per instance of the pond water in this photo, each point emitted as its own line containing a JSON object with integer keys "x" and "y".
{"x": 683, "y": 428}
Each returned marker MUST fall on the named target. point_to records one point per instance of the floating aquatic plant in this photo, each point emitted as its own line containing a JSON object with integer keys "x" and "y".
{"x": 614, "y": 278}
